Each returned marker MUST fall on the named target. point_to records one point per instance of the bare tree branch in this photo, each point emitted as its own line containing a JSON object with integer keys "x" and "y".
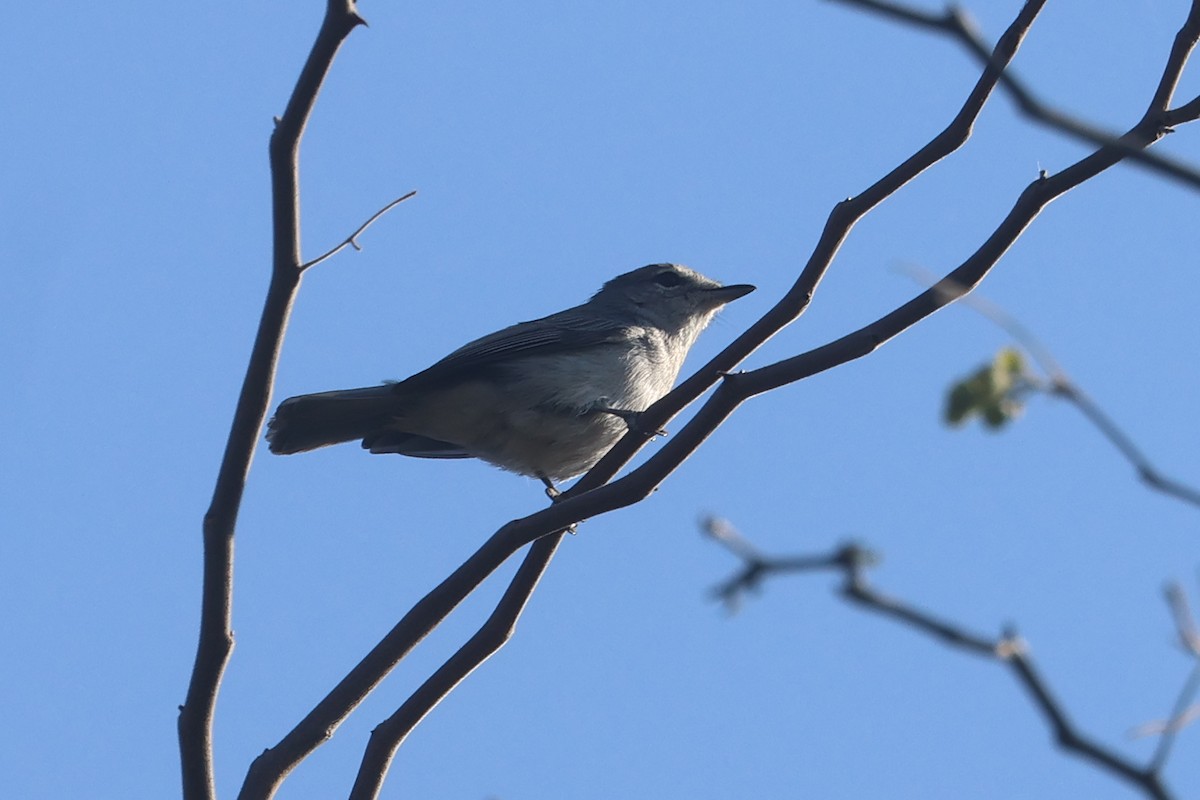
{"x": 857, "y": 590}
{"x": 1146, "y": 779}
{"x": 495, "y": 632}
{"x": 1008, "y": 649}
{"x": 756, "y": 567}
{"x": 352, "y": 239}
{"x": 216, "y": 634}
{"x": 957, "y": 25}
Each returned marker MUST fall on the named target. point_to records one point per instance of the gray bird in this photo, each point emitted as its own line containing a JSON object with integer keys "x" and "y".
{"x": 545, "y": 398}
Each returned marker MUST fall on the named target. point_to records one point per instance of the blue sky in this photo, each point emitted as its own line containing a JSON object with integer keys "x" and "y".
{"x": 554, "y": 148}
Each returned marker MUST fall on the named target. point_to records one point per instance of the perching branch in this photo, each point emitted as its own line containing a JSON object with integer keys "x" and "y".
{"x": 956, "y": 24}
{"x": 1008, "y": 649}
{"x": 216, "y": 634}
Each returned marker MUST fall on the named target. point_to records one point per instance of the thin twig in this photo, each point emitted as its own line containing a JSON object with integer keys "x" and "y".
{"x": 352, "y": 239}
{"x": 965, "y": 277}
{"x": 1008, "y": 649}
{"x": 1145, "y": 470}
{"x": 756, "y": 567}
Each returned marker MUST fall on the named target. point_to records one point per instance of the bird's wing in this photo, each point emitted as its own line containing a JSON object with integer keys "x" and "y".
{"x": 567, "y": 330}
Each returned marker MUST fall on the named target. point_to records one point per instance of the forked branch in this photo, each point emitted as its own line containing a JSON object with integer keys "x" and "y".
{"x": 352, "y": 239}
{"x": 499, "y": 627}
{"x": 1009, "y": 649}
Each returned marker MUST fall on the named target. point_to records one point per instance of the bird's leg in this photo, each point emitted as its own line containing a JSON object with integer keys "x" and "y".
{"x": 552, "y": 491}
{"x": 555, "y": 495}
{"x": 633, "y": 419}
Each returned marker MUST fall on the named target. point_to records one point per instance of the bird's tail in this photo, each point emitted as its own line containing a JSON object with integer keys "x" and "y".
{"x": 309, "y": 421}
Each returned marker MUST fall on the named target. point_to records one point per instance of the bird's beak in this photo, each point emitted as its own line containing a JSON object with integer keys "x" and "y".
{"x": 721, "y": 295}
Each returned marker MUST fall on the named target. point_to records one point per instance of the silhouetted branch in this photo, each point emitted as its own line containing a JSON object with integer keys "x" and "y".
{"x": 1008, "y": 649}
{"x": 352, "y": 239}
{"x": 857, "y": 590}
{"x": 495, "y": 632}
{"x": 955, "y": 23}
{"x": 1028, "y": 341}
{"x": 757, "y": 567}
{"x": 216, "y": 634}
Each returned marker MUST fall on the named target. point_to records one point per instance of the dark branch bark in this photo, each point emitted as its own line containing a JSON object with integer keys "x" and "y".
{"x": 1067, "y": 735}
{"x": 493, "y": 635}
{"x": 216, "y": 635}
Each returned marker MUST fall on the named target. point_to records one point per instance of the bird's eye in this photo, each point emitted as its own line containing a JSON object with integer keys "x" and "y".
{"x": 668, "y": 279}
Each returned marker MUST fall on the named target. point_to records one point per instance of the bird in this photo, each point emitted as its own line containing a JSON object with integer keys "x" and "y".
{"x": 545, "y": 398}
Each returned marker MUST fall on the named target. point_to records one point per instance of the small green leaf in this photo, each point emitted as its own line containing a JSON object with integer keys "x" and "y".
{"x": 993, "y": 392}
{"x": 960, "y": 403}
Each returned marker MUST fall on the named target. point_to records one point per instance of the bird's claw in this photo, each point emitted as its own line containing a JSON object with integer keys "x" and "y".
{"x": 633, "y": 420}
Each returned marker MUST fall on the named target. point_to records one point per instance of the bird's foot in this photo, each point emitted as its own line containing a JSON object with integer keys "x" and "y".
{"x": 633, "y": 420}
